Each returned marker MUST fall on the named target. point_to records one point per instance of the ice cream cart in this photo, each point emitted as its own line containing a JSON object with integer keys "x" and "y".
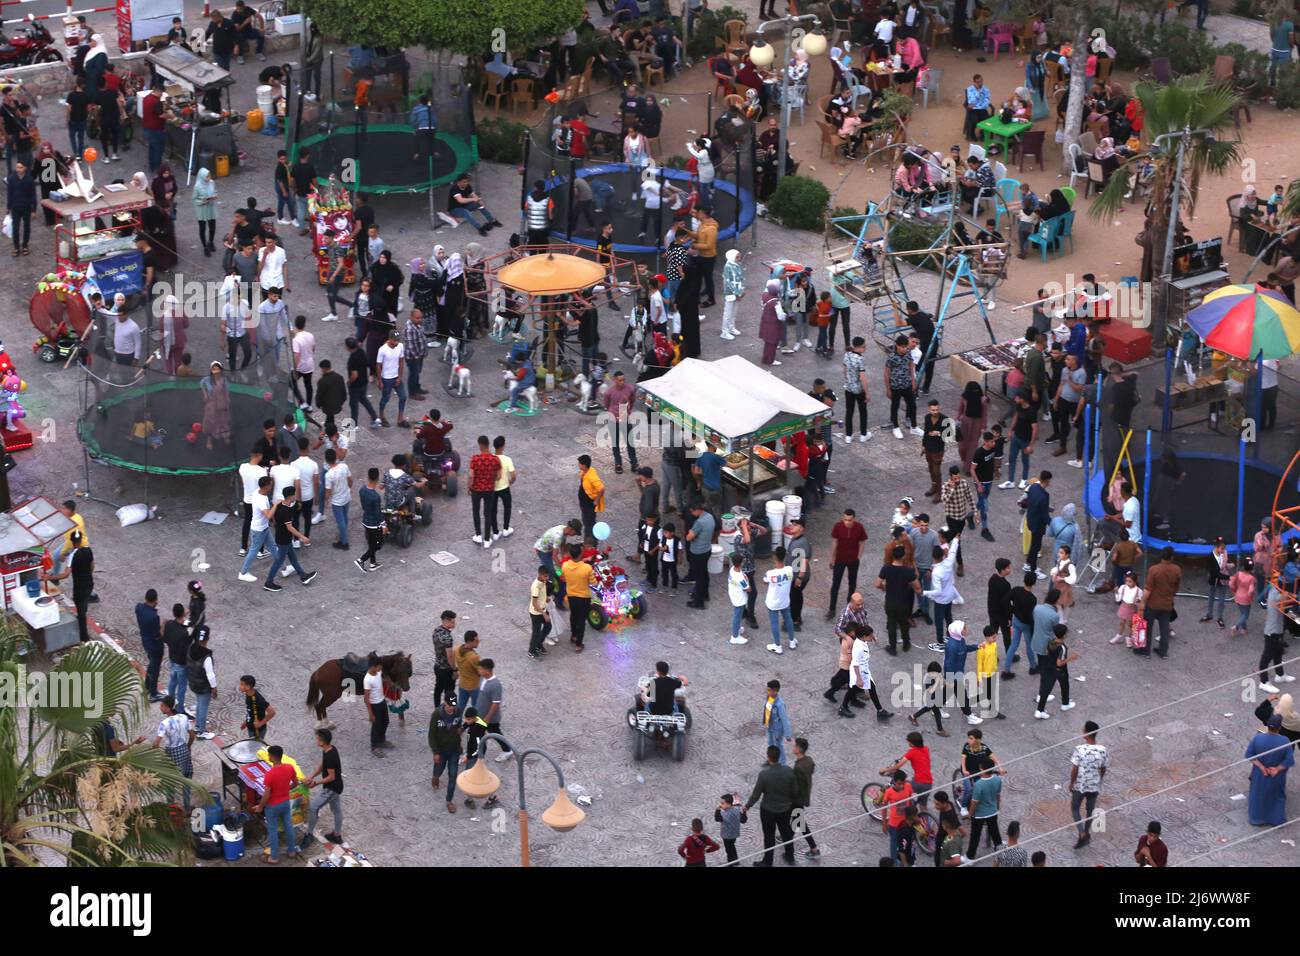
{"x": 96, "y": 237}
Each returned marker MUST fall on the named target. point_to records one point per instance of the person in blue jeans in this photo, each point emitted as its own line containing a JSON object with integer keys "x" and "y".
{"x": 776, "y": 719}
{"x": 943, "y": 591}
{"x": 336, "y": 480}
{"x": 1024, "y": 433}
{"x": 778, "y": 581}
{"x": 259, "y": 527}
{"x": 1023, "y": 602}
{"x": 176, "y": 638}
{"x": 276, "y": 804}
{"x": 285, "y": 517}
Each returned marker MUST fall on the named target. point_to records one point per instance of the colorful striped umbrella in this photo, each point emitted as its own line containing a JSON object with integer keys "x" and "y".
{"x": 1243, "y": 321}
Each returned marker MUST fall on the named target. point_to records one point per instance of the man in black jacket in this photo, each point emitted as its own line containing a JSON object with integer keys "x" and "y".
{"x": 176, "y": 636}
{"x": 20, "y": 197}
{"x": 922, "y": 324}
{"x": 331, "y": 391}
{"x": 221, "y": 32}
{"x": 778, "y": 790}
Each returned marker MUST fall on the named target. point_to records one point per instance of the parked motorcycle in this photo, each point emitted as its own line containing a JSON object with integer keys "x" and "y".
{"x": 33, "y": 44}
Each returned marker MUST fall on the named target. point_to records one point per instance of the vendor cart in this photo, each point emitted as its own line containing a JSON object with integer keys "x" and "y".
{"x": 739, "y": 408}
{"x": 331, "y": 208}
{"x": 202, "y": 129}
{"x": 25, "y": 533}
{"x": 96, "y": 237}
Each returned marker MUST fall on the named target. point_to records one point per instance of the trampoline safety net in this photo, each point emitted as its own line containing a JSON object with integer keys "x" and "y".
{"x": 386, "y": 148}
{"x": 602, "y": 187}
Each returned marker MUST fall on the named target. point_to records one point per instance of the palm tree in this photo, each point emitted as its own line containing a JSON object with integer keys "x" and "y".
{"x": 63, "y": 802}
{"x": 1187, "y": 103}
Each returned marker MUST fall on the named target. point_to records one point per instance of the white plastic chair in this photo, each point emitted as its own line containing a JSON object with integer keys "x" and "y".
{"x": 1075, "y": 154}
{"x": 798, "y": 95}
{"x": 976, "y": 150}
{"x": 933, "y": 76}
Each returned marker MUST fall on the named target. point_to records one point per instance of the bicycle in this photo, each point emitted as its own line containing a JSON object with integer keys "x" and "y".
{"x": 875, "y": 804}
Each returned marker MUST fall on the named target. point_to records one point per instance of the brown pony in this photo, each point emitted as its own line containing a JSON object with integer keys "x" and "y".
{"x": 329, "y": 681}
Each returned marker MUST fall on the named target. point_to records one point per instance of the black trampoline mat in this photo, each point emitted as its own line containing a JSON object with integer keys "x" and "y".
{"x": 391, "y": 159}
{"x": 1203, "y": 505}
{"x": 625, "y": 213}
{"x": 174, "y": 411}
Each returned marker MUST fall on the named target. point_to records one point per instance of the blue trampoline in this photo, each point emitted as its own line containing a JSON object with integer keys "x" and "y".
{"x": 613, "y": 186}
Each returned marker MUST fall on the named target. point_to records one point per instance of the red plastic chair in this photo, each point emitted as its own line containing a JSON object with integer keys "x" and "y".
{"x": 999, "y": 34}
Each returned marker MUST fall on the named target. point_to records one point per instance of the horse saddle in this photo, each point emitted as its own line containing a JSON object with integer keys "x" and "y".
{"x": 355, "y": 666}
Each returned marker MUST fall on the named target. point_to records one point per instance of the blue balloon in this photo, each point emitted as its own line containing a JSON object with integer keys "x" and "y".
{"x": 600, "y": 530}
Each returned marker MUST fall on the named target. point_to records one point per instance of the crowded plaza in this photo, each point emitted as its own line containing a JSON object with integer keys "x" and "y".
{"x": 727, "y": 423}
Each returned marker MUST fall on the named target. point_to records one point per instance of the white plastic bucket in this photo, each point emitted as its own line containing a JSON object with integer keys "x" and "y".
{"x": 793, "y": 507}
{"x": 728, "y": 523}
{"x": 265, "y": 99}
{"x": 715, "y": 559}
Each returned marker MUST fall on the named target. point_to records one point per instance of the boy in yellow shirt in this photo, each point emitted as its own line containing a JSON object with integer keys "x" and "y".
{"x": 466, "y": 658}
{"x": 986, "y": 667}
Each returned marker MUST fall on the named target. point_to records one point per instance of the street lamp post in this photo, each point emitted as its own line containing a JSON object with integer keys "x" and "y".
{"x": 1167, "y": 262}
{"x": 761, "y": 54}
{"x": 561, "y": 816}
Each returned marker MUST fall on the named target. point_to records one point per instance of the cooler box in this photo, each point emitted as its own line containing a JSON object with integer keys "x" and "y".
{"x": 1125, "y": 343}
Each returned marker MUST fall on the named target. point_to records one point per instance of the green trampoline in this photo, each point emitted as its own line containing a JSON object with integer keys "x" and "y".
{"x": 389, "y": 157}
{"x": 113, "y": 429}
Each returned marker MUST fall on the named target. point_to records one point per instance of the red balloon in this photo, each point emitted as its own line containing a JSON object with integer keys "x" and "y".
{"x": 266, "y": 396}
{"x": 197, "y": 428}
{"x": 192, "y": 437}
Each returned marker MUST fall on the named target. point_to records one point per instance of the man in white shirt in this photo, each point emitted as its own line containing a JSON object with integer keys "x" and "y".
{"x": 777, "y": 599}
{"x": 284, "y": 475}
{"x": 261, "y": 527}
{"x": 271, "y": 271}
{"x": 272, "y": 326}
{"x": 338, "y": 489}
{"x": 738, "y": 592}
{"x": 885, "y": 30}
{"x": 309, "y": 485}
{"x": 128, "y": 345}
{"x": 1132, "y": 513}
{"x": 650, "y": 211}
{"x": 390, "y": 362}
{"x": 376, "y": 706}
{"x": 250, "y": 473}
{"x": 860, "y": 672}
{"x": 304, "y": 361}
{"x": 1268, "y": 394}
{"x": 235, "y": 314}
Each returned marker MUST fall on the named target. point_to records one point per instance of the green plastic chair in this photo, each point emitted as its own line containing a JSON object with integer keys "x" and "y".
{"x": 1069, "y": 193}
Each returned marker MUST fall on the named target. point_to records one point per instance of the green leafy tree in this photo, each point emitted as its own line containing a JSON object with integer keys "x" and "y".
{"x": 467, "y": 27}
{"x": 1187, "y": 103}
{"x": 61, "y": 801}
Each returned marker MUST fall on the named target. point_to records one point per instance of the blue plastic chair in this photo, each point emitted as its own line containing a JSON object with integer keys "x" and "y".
{"x": 1008, "y": 192}
{"x": 1046, "y": 235}
{"x": 1067, "y": 228}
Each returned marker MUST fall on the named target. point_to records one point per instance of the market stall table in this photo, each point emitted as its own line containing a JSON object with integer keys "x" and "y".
{"x": 994, "y": 130}
{"x": 976, "y": 365}
{"x": 736, "y": 406}
{"x": 205, "y": 130}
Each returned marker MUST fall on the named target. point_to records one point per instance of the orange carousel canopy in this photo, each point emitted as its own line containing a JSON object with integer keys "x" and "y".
{"x": 551, "y": 273}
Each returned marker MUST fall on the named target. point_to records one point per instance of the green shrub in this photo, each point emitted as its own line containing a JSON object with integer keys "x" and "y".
{"x": 1124, "y": 34}
{"x": 908, "y": 234}
{"x": 676, "y": 161}
{"x": 1250, "y": 69}
{"x": 707, "y": 27}
{"x": 1188, "y": 51}
{"x": 1287, "y": 90}
{"x": 501, "y": 140}
{"x": 800, "y": 203}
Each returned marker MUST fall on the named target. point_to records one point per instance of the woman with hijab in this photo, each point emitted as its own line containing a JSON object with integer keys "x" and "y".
{"x": 476, "y": 315}
{"x": 386, "y": 284}
{"x": 1271, "y": 755}
{"x": 1290, "y": 719}
{"x": 164, "y": 188}
{"x": 688, "y": 306}
{"x": 95, "y": 63}
{"x": 453, "y": 296}
{"x": 1107, "y": 155}
{"x": 423, "y": 291}
{"x": 972, "y": 419}
{"x": 48, "y": 184}
{"x": 174, "y": 325}
{"x": 770, "y": 324}
{"x": 216, "y": 405}
{"x": 1056, "y": 205}
{"x": 733, "y": 290}
{"x": 205, "y": 210}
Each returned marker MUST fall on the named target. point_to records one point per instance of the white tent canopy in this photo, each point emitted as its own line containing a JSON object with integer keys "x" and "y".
{"x": 731, "y": 396}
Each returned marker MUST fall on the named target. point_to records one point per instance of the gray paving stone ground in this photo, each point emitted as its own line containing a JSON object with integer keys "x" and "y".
{"x": 1164, "y": 728}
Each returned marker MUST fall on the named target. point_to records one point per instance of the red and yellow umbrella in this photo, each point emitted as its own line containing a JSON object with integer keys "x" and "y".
{"x": 1246, "y": 320}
